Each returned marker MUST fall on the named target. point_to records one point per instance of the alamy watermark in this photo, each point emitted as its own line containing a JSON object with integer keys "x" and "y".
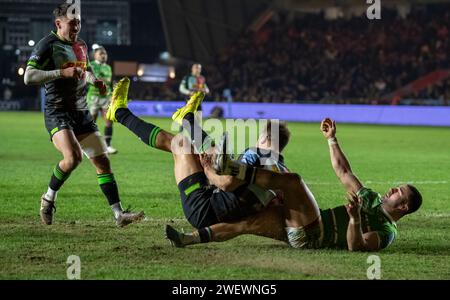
{"x": 374, "y": 9}
{"x": 374, "y": 270}
{"x": 74, "y": 269}
{"x": 74, "y": 10}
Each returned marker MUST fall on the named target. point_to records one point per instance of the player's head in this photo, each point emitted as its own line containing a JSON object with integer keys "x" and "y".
{"x": 101, "y": 55}
{"x": 67, "y": 21}
{"x": 196, "y": 69}
{"x": 274, "y": 136}
{"x": 402, "y": 200}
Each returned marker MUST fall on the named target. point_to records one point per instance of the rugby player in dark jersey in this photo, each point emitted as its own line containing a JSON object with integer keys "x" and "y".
{"x": 60, "y": 62}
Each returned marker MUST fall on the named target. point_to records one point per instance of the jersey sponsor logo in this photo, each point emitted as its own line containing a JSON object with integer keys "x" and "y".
{"x": 78, "y": 64}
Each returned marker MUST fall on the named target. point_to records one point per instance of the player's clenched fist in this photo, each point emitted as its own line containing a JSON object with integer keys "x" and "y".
{"x": 328, "y": 128}
{"x": 72, "y": 72}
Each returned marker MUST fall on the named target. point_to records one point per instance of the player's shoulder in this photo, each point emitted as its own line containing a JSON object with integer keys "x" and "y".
{"x": 365, "y": 192}
{"x": 47, "y": 40}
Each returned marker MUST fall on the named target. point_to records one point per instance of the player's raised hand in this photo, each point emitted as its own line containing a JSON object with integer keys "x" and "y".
{"x": 72, "y": 72}
{"x": 101, "y": 86}
{"x": 328, "y": 128}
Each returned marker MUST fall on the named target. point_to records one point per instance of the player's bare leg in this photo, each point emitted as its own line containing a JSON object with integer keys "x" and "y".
{"x": 269, "y": 223}
{"x": 108, "y": 133}
{"x": 66, "y": 143}
{"x": 185, "y": 162}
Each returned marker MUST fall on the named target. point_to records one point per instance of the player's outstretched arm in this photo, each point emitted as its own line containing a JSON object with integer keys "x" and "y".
{"x": 339, "y": 162}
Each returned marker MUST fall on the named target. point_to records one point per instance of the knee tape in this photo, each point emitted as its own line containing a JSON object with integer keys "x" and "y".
{"x": 93, "y": 145}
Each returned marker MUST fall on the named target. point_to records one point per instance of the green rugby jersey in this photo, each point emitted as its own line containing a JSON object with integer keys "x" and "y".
{"x": 102, "y": 72}
{"x": 52, "y": 53}
{"x": 373, "y": 218}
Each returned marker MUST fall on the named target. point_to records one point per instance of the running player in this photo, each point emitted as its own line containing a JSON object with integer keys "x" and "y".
{"x": 98, "y": 103}
{"x": 60, "y": 62}
{"x": 366, "y": 223}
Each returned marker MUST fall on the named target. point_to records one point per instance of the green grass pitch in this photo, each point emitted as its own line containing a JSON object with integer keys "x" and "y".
{"x": 381, "y": 156}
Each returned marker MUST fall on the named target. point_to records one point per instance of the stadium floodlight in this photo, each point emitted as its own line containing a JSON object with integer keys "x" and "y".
{"x": 172, "y": 73}
{"x": 21, "y": 71}
{"x": 31, "y": 43}
{"x": 140, "y": 72}
{"x": 164, "y": 55}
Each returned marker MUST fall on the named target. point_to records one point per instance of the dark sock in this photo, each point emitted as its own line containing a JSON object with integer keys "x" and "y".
{"x": 58, "y": 178}
{"x": 205, "y": 235}
{"x": 108, "y": 135}
{"x": 109, "y": 188}
{"x": 146, "y": 132}
{"x": 204, "y": 142}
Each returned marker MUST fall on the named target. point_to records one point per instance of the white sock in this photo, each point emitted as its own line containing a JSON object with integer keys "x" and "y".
{"x": 117, "y": 209}
{"x": 51, "y": 195}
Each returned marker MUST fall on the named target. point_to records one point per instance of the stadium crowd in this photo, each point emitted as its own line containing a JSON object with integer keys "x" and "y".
{"x": 312, "y": 59}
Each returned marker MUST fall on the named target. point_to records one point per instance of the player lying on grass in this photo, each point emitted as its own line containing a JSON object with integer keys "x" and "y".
{"x": 205, "y": 196}
{"x": 366, "y": 223}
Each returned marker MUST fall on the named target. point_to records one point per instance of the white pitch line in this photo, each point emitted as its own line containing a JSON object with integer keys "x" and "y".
{"x": 385, "y": 182}
{"x": 437, "y": 215}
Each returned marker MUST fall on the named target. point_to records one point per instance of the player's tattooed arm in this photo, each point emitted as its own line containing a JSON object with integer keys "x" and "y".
{"x": 339, "y": 162}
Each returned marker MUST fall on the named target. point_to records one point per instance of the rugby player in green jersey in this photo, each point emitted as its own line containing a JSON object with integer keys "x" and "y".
{"x": 60, "y": 62}
{"x": 97, "y": 102}
{"x": 366, "y": 223}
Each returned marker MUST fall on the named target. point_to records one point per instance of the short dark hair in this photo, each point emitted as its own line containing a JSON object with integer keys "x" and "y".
{"x": 415, "y": 199}
{"x": 284, "y": 134}
{"x": 61, "y": 10}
